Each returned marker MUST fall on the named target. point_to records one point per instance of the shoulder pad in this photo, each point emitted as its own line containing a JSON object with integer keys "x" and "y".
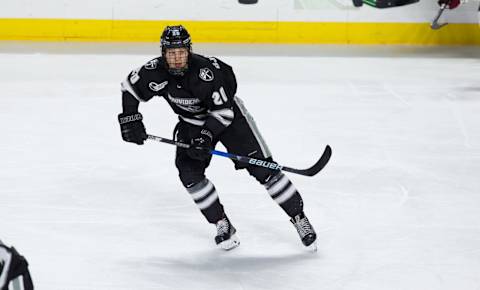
{"x": 205, "y": 67}
{"x": 134, "y": 75}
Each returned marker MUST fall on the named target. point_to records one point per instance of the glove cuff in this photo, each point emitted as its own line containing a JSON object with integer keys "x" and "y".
{"x": 123, "y": 118}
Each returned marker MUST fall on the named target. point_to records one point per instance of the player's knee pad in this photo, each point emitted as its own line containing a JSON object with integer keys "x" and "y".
{"x": 190, "y": 171}
{"x": 191, "y": 178}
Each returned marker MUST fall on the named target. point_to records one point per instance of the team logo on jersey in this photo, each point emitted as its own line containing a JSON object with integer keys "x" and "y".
{"x": 206, "y": 74}
{"x": 151, "y": 64}
{"x": 157, "y": 87}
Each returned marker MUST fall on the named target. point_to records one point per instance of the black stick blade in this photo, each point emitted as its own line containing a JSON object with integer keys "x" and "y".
{"x": 316, "y": 168}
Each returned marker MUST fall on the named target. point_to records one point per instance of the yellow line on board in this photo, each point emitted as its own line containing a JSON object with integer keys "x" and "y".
{"x": 240, "y": 32}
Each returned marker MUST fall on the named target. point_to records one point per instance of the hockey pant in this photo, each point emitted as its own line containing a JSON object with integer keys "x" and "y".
{"x": 242, "y": 138}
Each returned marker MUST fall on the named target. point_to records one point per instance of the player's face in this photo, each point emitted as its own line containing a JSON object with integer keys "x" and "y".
{"x": 176, "y": 57}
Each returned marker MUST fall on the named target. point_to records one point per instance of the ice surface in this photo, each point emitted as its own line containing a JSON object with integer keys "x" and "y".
{"x": 396, "y": 208}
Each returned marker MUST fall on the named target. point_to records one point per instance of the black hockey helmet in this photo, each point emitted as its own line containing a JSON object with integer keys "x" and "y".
{"x": 175, "y": 37}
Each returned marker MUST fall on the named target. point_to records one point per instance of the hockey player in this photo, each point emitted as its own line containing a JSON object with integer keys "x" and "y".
{"x": 201, "y": 91}
{"x": 14, "y": 274}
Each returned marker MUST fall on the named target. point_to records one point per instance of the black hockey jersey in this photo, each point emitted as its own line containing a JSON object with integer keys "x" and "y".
{"x": 204, "y": 96}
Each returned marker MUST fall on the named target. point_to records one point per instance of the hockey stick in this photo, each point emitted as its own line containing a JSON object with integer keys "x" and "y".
{"x": 435, "y": 25}
{"x": 319, "y": 165}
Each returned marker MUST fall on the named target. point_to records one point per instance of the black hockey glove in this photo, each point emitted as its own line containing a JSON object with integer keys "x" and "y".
{"x": 204, "y": 140}
{"x": 132, "y": 128}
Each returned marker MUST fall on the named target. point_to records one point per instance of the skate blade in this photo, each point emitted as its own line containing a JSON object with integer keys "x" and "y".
{"x": 230, "y": 244}
{"x": 313, "y": 247}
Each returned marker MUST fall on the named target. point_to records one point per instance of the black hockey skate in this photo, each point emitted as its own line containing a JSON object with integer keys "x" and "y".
{"x": 305, "y": 230}
{"x": 226, "y": 238}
